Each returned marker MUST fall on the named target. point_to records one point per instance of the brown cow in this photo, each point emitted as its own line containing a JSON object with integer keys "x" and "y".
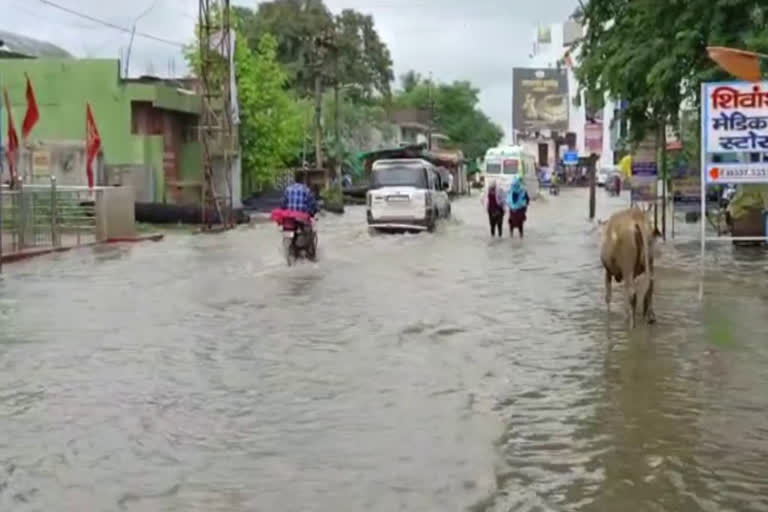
{"x": 627, "y": 255}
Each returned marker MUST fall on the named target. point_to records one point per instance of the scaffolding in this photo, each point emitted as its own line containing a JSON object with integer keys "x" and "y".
{"x": 217, "y": 133}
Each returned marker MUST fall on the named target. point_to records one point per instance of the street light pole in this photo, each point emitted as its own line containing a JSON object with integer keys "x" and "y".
{"x": 431, "y": 113}
{"x": 336, "y": 130}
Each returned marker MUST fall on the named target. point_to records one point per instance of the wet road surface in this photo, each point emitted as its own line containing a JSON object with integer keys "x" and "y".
{"x": 418, "y": 373}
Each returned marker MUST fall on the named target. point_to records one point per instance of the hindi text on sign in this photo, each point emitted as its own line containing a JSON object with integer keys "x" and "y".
{"x": 725, "y": 97}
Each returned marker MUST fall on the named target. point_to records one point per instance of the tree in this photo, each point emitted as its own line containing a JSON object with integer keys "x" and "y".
{"x": 271, "y": 124}
{"x": 652, "y": 54}
{"x": 455, "y": 112}
{"x": 410, "y": 81}
{"x": 344, "y": 48}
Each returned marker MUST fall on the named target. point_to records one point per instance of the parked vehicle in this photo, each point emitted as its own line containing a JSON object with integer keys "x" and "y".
{"x": 602, "y": 177}
{"x": 406, "y": 194}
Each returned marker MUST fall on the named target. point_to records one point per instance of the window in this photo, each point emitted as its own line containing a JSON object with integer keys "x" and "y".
{"x": 511, "y": 166}
{"x": 400, "y": 176}
{"x": 493, "y": 168}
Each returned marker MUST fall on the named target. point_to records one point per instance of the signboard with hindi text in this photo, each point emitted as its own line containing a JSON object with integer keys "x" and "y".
{"x": 686, "y": 193}
{"x": 735, "y": 120}
{"x": 644, "y": 182}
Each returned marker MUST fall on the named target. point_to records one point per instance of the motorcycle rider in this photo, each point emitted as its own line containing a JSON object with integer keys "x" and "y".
{"x": 298, "y": 197}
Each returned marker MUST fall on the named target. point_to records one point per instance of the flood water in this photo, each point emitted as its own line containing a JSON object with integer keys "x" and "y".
{"x": 439, "y": 372}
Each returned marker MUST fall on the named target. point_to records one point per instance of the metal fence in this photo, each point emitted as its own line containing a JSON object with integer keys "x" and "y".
{"x": 45, "y": 216}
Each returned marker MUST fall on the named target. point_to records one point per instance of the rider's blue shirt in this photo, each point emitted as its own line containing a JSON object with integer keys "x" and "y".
{"x": 298, "y": 197}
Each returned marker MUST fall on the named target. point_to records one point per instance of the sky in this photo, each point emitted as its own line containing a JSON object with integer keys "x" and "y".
{"x": 476, "y": 40}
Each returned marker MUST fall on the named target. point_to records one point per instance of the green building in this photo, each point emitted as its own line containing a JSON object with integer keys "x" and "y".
{"x": 148, "y": 126}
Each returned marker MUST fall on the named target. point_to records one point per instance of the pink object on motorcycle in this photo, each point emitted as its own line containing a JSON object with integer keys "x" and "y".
{"x": 279, "y": 216}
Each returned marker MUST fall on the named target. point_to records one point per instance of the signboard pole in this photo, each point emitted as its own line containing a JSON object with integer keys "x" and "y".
{"x": 703, "y": 198}
{"x": 1, "y": 189}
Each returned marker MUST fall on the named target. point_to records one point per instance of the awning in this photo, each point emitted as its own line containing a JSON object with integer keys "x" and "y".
{"x": 740, "y": 63}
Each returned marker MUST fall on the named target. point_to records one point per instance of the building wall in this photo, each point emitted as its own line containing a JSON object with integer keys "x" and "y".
{"x": 547, "y": 55}
{"x": 62, "y": 88}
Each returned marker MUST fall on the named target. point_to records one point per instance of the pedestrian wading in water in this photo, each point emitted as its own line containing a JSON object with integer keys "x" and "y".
{"x": 517, "y": 202}
{"x": 494, "y": 202}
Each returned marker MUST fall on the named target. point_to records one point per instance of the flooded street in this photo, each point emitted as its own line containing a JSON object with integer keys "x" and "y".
{"x": 409, "y": 372}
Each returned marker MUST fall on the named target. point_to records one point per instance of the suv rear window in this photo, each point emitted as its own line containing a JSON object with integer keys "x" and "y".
{"x": 399, "y": 176}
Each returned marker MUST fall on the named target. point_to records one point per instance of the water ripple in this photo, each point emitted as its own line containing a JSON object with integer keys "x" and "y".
{"x": 419, "y": 373}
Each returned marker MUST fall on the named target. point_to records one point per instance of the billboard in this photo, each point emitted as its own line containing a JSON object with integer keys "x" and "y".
{"x": 593, "y": 138}
{"x": 540, "y": 99}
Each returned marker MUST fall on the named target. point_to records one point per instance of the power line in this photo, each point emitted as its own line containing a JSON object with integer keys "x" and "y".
{"x": 110, "y": 25}
{"x": 146, "y": 11}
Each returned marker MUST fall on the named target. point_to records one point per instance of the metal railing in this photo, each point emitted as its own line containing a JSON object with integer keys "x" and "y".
{"x": 45, "y": 216}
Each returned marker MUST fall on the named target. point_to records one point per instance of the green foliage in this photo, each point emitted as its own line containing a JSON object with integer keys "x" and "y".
{"x": 652, "y": 53}
{"x": 455, "y": 112}
{"x": 344, "y": 49}
{"x": 332, "y": 196}
{"x": 358, "y": 122}
{"x": 271, "y": 123}
{"x": 271, "y": 120}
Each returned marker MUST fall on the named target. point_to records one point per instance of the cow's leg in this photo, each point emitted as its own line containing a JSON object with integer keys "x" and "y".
{"x": 630, "y": 299}
{"x": 648, "y": 303}
{"x": 608, "y": 290}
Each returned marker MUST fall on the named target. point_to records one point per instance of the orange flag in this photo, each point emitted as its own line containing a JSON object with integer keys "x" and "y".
{"x": 32, "y": 115}
{"x": 92, "y": 143}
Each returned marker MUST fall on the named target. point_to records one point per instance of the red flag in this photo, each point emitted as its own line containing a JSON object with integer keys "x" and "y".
{"x": 13, "y": 139}
{"x": 92, "y": 143}
{"x": 32, "y": 115}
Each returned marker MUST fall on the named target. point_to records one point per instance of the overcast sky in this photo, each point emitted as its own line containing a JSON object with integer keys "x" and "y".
{"x": 477, "y": 40}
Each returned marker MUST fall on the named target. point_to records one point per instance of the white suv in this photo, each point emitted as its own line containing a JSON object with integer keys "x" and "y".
{"x": 406, "y": 193}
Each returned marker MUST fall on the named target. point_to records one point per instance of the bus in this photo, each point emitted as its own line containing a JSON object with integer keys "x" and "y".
{"x": 503, "y": 162}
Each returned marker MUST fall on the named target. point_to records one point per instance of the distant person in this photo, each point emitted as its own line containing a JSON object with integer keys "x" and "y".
{"x": 517, "y": 201}
{"x": 494, "y": 204}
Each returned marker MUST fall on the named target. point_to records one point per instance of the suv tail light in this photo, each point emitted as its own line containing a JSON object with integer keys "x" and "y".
{"x": 368, "y": 199}
{"x": 427, "y": 199}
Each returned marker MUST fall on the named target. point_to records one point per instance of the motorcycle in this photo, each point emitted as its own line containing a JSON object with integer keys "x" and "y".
{"x": 554, "y": 189}
{"x": 298, "y": 236}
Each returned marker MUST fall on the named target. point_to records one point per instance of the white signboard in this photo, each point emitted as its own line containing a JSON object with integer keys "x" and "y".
{"x": 734, "y": 120}
{"x": 736, "y": 116}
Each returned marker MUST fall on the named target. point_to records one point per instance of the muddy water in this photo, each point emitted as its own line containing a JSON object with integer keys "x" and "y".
{"x": 436, "y": 372}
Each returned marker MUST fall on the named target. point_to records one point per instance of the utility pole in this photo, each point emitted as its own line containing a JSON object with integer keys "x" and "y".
{"x": 320, "y": 45}
{"x": 318, "y": 121}
{"x": 216, "y": 128}
{"x": 431, "y": 113}
{"x": 663, "y": 136}
{"x": 337, "y": 107}
{"x": 592, "y": 185}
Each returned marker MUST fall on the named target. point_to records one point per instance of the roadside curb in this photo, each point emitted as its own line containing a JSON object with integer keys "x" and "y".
{"x": 33, "y": 253}
{"x": 260, "y": 217}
